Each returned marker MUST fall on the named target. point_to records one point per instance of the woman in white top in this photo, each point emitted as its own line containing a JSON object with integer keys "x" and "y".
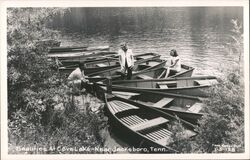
{"x": 126, "y": 60}
{"x": 175, "y": 66}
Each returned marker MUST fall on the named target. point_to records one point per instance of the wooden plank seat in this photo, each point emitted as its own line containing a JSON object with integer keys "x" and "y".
{"x": 163, "y": 86}
{"x": 148, "y": 124}
{"x": 101, "y": 65}
{"x": 196, "y": 107}
{"x": 177, "y": 108}
{"x": 163, "y": 102}
{"x": 207, "y": 82}
{"x": 143, "y": 76}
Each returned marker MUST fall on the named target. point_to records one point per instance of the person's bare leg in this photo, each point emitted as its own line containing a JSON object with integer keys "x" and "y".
{"x": 167, "y": 73}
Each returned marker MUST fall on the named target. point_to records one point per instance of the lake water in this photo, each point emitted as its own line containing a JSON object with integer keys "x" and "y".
{"x": 200, "y": 35}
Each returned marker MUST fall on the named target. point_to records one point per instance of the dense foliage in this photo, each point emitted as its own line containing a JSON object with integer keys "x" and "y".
{"x": 41, "y": 112}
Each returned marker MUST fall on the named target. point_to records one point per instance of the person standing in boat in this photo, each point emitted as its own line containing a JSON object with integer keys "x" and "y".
{"x": 175, "y": 66}
{"x": 126, "y": 60}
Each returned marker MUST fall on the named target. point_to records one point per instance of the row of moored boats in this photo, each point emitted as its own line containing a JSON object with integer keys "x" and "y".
{"x": 144, "y": 110}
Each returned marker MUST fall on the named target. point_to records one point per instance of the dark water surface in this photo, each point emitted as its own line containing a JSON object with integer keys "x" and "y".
{"x": 199, "y": 34}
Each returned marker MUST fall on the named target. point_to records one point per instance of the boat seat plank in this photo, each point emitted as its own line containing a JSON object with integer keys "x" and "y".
{"x": 163, "y": 86}
{"x": 152, "y": 63}
{"x": 163, "y": 102}
{"x": 143, "y": 76}
{"x": 207, "y": 82}
{"x": 150, "y": 123}
{"x": 177, "y": 108}
{"x": 126, "y": 93}
{"x": 101, "y": 65}
{"x": 196, "y": 107}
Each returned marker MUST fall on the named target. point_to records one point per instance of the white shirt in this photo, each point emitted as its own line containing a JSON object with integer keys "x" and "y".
{"x": 177, "y": 66}
{"x": 126, "y": 56}
{"x": 76, "y": 75}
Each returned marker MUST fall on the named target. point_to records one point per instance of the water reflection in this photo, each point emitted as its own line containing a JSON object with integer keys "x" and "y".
{"x": 198, "y": 33}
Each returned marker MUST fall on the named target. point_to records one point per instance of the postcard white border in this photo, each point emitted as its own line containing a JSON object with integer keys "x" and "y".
{"x": 118, "y": 3}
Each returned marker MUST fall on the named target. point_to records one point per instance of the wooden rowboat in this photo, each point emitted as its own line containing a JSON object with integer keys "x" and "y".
{"x": 104, "y": 63}
{"x": 144, "y": 126}
{"x": 194, "y": 86}
{"x": 107, "y": 62}
{"x": 92, "y": 66}
{"x": 186, "y": 107}
{"x": 80, "y": 55}
{"x": 83, "y": 59}
{"x": 67, "y": 50}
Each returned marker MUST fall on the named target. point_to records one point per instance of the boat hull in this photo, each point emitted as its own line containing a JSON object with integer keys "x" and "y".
{"x": 184, "y": 85}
